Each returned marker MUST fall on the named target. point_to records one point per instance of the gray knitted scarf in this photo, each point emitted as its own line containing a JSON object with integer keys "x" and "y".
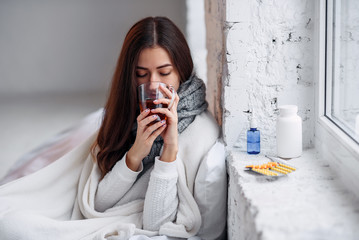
{"x": 192, "y": 101}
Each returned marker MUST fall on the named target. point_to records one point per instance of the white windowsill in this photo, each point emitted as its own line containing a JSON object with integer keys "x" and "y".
{"x": 310, "y": 203}
{"x": 341, "y": 152}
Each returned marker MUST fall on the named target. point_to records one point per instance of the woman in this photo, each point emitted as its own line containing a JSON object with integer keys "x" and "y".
{"x": 153, "y": 50}
{"x": 138, "y": 178}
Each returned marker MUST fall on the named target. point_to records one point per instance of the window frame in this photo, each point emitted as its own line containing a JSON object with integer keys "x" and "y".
{"x": 332, "y": 66}
{"x": 332, "y": 144}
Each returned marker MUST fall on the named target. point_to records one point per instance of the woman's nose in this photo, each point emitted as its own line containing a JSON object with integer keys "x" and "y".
{"x": 154, "y": 78}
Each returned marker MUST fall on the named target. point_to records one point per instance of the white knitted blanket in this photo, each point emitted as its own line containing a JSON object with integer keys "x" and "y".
{"x": 57, "y": 202}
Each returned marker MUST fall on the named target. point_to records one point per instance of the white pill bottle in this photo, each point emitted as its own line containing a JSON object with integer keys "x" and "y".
{"x": 289, "y": 132}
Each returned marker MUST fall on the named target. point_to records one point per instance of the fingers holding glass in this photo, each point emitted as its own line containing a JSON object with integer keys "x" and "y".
{"x": 154, "y": 130}
{"x": 170, "y": 92}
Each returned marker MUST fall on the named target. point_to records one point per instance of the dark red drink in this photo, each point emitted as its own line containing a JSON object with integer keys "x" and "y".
{"x": 150, "y": 105}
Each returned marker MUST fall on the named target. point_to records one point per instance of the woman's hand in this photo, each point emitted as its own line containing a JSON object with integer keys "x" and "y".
{"x": 145, "y": 137}
{"x": 170, "y": 134}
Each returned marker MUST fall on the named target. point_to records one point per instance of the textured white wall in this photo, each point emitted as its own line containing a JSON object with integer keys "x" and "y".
{"x": 69, "y": 46}
{"x": 269, "y": 56}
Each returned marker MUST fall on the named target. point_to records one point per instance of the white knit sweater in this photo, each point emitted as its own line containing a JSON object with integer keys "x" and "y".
{"x": 158, "y": 186}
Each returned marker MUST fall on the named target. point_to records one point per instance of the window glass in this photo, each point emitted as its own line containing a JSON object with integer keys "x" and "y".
{"x": 342, "y": 75}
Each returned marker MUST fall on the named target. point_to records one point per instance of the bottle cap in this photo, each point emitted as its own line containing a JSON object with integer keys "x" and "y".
{"x": 286, "y": 110}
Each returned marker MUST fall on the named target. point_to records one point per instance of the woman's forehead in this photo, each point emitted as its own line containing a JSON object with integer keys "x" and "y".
{"x": 154, "y": 57}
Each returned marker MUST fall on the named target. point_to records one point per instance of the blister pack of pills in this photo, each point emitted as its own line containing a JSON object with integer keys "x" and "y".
{"x": 272, "y": 169}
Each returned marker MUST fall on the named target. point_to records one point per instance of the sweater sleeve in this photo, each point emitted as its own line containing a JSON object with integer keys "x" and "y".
{"x": 114, "y": 185}
{"x": 161, "y": 199}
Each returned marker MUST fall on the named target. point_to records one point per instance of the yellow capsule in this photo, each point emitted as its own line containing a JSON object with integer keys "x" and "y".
{"x": 273, "y": 173}
{"x": 286, "y": 166}
{"x": 284, "y": 169}
{"x": 279, "y": 170}
{"x": 256, "y": 170}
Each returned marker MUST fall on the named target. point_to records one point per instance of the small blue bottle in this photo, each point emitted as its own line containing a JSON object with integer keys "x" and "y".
{"x": 253, "y": 138}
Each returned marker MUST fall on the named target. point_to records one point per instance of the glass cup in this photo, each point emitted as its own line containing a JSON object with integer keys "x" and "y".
{"x": 150, "y": 91}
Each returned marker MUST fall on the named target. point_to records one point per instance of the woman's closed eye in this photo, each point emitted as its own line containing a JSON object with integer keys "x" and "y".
{"x": 165, "y": 73}
{"x": 141, "y": 74}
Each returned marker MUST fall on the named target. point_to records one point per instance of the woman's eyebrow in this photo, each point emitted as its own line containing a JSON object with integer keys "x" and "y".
{"x": 162, "y": 66}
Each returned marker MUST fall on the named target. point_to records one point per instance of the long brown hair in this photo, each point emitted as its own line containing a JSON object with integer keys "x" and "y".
{"x": 114, "y": 138}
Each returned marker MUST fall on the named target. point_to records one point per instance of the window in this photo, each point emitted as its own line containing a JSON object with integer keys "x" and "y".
{"x": 342, "y": 66}
{"x": 337, "y": 87}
